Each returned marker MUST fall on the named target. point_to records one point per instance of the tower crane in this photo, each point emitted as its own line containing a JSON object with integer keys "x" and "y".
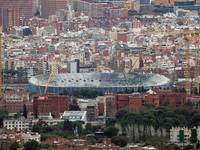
{"x": 188, "y": 38}
{"x": 50, "y": 76}
{"x": 0, "y": 63}
{"x": 196, "y": 73}
{"x": 97, "y": 63}
{"x": 135, "y": 63}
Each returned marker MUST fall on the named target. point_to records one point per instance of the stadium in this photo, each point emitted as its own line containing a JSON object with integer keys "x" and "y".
{"x": 105, "y": 82}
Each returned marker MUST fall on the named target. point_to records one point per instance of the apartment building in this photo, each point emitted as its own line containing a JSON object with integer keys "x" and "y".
{"x": 157, "y": 97}
{"x": 9, "y": 17}
{"x": 28, "y": 136}
{"x": 102, "y": 9}
{"x": 25, "y": 7}
{"x": 182, "y": 136}
{"x": 49, "y": 7}
{"x": 27, "y": 124}
{"x": 49, "y": 103}
{"x": 17, "y": 124}
{"x": 14, "y": 101}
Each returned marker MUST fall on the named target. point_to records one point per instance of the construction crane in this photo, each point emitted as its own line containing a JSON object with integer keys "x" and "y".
{"x": 39, "y": 87}
{"x": 50, "y": 76}
{"x": 196, "y": 73}
{"x": 126, "y": 79}
{"x": 188, "y": 38}
{"x": 98, "y": 64}
{"x": 135, "y": 63}
{"x": 0, "y": 63}
{"x": 106, "y": 62}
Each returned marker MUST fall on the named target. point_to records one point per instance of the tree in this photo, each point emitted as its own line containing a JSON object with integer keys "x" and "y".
{"x": 67, "y": 125}
{"x": 14, "y": 145}
{"x": 127, "y": 91}
{"x": 121, "y": 113}
{"x": 3, "y": 115}
{"x": 76, "y": 93}
{"x": 172, "y": 147}
{"x": 158, "y": 142}
{"x": 195, "y": 91}
{"x": 4, "y": 146}
{"x": 188, "y": 104}
{"x": 53, "y": 113}
{"x": 41, "y": 123}
{"x": 74, "y": 107}
{"x": 120, "y": 92}
{"x": 25, "y": 111}
{"x": 119, "y": 140}
{"x": 77, "y": 126}
{"x": 139, "y": 90}
{"x": 65, "y": 92}
{"x": 35, "y": 128}
{"x": 36, "y": 112}
{"x": 111, "y": 131}
{"x": 188, "y": 147}
{"x": 142, "y": 89}
{"x": 32, "y": 145}
{"x": 17, "y": 115}
{"x": 88, "y": 127}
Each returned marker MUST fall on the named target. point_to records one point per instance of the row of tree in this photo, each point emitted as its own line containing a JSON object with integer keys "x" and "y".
{"x": 158, "y": 117}
{"x": 83, "y": 93}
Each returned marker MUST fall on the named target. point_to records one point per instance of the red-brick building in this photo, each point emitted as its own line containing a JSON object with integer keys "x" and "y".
{"x": 9, "y": 17}
{"x": 157, "y": 97}
{"x": 14, "y": 101}
{"x": 171, "y": 99}
{"x": 122, "y": 100}
{"x": 47, "y": 104}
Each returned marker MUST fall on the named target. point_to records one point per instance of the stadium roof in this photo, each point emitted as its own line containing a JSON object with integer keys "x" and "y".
{"x": 99, "y": 80}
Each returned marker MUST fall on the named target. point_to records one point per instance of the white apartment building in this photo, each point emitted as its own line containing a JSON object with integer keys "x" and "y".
{"x": 19, "y": 124}
{"x": 181, "y": 136}
{"x": 23, "y": 124}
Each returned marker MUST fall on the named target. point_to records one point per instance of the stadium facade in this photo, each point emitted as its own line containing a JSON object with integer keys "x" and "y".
{"x": 105, "y": 82}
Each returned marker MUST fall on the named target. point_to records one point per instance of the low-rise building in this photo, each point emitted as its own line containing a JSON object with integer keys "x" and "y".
{"x": 28, "y": 136}
{"x": 157, "y": 97}
{"x": 11, "y": 137}
{"x": 27, "y": 124}
{"x": 105, "y": 145}
{"x": 74, "y": 116}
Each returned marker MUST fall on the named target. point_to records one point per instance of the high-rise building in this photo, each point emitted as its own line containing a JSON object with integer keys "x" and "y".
{"x": 9, "y": 16}
{"x": 25, "y": 6}
{"x": 49, "y": 7}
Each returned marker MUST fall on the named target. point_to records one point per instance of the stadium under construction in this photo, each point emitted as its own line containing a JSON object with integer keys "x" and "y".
{"x": 105, "y": 82}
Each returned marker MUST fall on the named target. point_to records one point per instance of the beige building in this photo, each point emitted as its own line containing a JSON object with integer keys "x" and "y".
{"x": 10, "y": 63}
{"x": 30, "y": 136}
{"x": 165, "y": 64}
